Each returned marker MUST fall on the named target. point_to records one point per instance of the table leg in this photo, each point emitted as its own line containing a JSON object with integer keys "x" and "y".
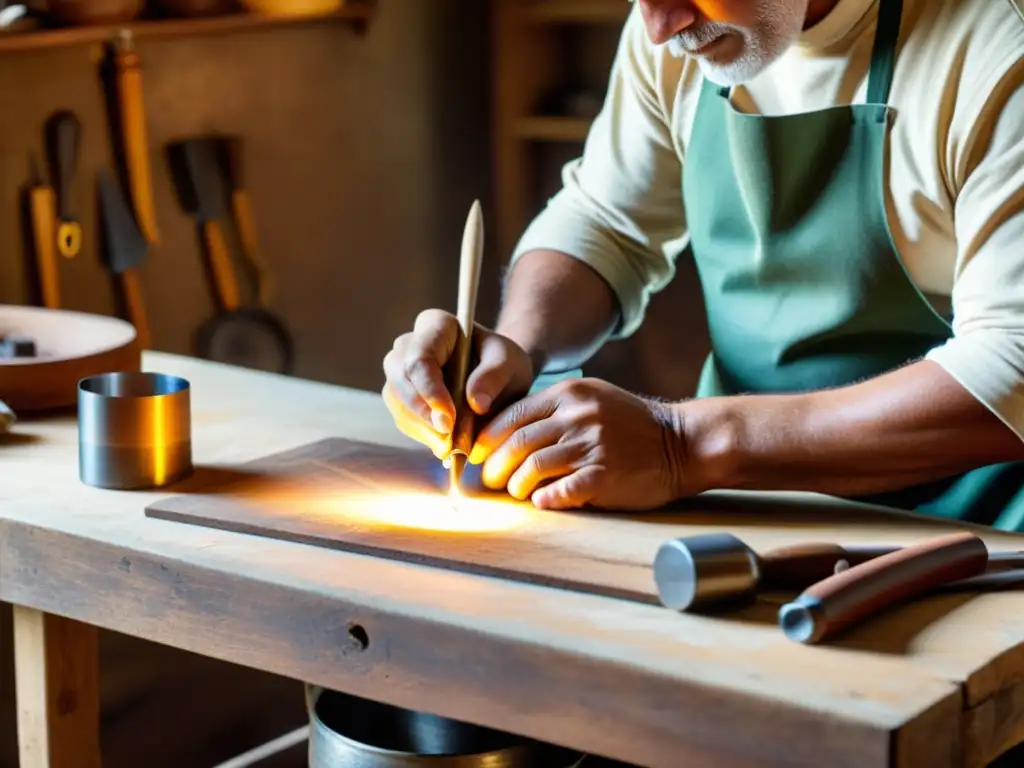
{"x": 56, "y": 674}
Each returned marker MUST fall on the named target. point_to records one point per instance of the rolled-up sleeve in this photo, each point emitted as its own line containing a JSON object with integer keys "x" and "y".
{"x": 620, "y": 208}
{"x": 986, "y": 353}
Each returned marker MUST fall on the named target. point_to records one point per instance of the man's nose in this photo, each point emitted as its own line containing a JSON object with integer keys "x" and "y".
{"x": 667, "y": 18}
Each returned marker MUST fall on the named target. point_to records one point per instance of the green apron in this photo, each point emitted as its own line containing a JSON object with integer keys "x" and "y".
{"x": 803, "y": 286}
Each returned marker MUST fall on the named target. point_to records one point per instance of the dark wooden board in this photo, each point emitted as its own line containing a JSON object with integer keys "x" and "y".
{"x": 394, "y": 503}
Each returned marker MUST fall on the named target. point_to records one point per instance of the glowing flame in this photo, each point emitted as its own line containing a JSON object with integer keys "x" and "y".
{"x": 453, "y": 513}
{"x": 411, "y": 510}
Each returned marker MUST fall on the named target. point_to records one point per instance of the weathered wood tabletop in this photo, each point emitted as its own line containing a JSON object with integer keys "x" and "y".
{"x": 937, "y": 683}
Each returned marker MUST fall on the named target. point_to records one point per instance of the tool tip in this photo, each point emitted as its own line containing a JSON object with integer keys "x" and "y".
{"x": 457, "y": 463}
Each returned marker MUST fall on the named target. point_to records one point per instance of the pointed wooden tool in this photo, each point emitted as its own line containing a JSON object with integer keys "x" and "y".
{"x": 469, "y": 282}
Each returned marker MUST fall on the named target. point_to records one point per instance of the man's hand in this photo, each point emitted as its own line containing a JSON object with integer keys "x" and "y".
{"x": 585, "y": 442}
{"x": 416, "y": 393}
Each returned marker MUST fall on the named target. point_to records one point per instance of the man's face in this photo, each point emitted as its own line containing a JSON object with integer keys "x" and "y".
{"x": 732, "y": 40}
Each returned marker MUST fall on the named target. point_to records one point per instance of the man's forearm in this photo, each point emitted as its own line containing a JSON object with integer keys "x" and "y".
{"x": 906, "y": 427}
{"x": 558, "y": 309}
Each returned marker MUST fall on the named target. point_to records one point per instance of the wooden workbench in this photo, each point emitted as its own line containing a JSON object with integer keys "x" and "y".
{"x": 936, "y": 684}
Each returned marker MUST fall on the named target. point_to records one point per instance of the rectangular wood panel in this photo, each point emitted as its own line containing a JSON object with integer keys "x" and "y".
{"x": 395, "y": 503}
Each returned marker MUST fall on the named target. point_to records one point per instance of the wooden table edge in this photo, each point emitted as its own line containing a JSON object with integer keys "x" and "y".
{"x": 597, "y": 712}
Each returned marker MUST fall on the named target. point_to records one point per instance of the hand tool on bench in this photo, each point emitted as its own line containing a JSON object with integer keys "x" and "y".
{"x": 63, "y": 139}
{"x": 41, "y": 204}
{"x": 245, "y": 336}
{"x": 125, "y": 248}
{"x": 715, "y": 571}
{"x": 867, "y": 588}
{"x": 718, "y": 571}
{"x": 457, "y": 370}
{"x": 129, "y": 115}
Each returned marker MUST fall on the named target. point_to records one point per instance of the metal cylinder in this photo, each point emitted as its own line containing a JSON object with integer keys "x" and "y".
{"x": 350, "y": 732}
{"x": 705, "y": 571}
{"x": 134, "y": 430}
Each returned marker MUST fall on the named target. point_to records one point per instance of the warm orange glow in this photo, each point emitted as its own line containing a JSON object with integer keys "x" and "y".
{"x": 452, "y": 513}
{"x": 160, "y": 413}
{"x": 411, "y": 510}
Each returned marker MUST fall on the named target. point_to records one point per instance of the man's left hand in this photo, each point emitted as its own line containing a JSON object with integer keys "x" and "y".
{"x": 585, "y": 442}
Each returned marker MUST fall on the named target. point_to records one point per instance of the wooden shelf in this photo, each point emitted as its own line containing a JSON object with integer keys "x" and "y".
{"x": 531, "y": 64}
{"x": 554, "y": 129}
{"x": 356, "y": 12}
{"x": 576, "y": 11}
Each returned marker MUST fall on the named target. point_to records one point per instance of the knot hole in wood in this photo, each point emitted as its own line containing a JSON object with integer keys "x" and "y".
{"x": 359, "y": 636}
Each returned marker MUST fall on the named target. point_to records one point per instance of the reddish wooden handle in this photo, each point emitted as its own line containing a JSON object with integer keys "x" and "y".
{"x": 800, "y": 566}
{"x": 843, "y": 599}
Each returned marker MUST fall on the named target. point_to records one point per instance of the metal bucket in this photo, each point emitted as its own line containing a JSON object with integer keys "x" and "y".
{"x": 350, "y": 732}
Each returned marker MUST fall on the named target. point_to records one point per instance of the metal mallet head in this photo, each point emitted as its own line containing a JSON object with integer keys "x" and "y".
{"x": 718, "y": 570}
{"x": 706, "y": 570}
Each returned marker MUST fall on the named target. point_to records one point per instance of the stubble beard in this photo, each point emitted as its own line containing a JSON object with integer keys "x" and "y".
{"x": 777, "y": 26}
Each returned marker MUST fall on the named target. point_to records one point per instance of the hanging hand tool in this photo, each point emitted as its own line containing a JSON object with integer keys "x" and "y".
{"x": 134, "y": 136}
{"x": 458, "y": 368}
{"x": 233, "y": 162}
{"x": 238, "y": 335}
{"x": 41, "y": 202}
{"x": 125, "y": 249}
{"x": 63, "y": 139}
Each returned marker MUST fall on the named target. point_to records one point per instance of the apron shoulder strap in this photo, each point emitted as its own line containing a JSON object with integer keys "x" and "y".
{"x": 883, "y": 55}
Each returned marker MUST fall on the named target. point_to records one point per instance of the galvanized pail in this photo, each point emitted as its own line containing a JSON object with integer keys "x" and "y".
{"x": 350, "y": 732}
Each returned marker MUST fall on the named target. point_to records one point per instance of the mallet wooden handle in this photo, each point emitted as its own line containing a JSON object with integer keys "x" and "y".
{"x": 799, "y": 566}
{"x": 873, "y": 586}
{"x": 469, "y": 282}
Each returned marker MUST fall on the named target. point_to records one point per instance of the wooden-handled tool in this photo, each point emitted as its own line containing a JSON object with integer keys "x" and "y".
{"x": 63, "y": 139}
{"x": 240, "y": 335}
{"x": 241, "y": 208}
{"x": 845, "y": 598}
{"x": 125, "y": 249}
{"x": 134, "y": 134}
{"x": 458, "y": 367}
{"x": 195, "y": 169}
{"x": 42, "y": 214}
{"x": 718, "y": 571}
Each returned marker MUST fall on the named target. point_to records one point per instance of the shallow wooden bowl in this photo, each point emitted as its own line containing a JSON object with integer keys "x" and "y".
{"x": 293, "y": 7}
{"x": 86, "y": 12}
{"x": 197, "y": 8}
{"x": 69, "y": 347}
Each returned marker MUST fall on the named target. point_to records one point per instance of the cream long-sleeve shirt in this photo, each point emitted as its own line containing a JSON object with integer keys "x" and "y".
{"x": 955, "y": 193}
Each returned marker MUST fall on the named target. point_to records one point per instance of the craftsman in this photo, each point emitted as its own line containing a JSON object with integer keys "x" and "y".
{"x": 847, "y": 175}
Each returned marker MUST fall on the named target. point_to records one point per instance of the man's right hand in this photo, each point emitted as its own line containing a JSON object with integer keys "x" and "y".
{"x": 416, "y": 393}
